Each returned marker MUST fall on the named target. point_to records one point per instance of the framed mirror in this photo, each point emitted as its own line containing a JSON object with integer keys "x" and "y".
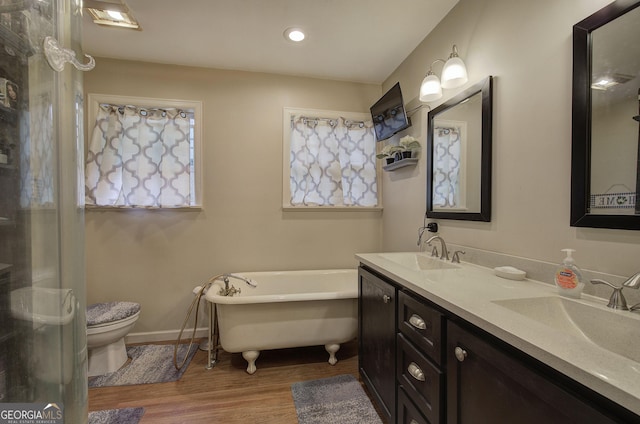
{"x": 605, "y": 158}
{"x": 459, "y": 134}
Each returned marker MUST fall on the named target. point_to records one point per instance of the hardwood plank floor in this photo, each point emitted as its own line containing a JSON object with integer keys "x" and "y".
{"x": 226, "y": 394}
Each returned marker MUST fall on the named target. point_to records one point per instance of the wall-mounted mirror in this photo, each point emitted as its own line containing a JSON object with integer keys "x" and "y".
{"x": 605, "y": 176}
{"x": 459, "y": 156}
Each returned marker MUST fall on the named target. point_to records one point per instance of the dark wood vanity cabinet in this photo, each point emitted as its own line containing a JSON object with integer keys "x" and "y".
{"x": 377, "y": 340}
{"x": 400, "y": 352}
{"x": 424, "y": 365}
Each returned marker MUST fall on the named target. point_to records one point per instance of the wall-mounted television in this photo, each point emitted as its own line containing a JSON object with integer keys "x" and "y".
{"x": 388, "y": 114}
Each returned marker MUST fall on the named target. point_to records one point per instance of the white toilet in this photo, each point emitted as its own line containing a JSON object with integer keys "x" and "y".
{"x": 107, "y": 325}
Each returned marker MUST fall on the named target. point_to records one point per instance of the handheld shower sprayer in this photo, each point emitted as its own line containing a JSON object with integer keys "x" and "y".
{"x": 249, "y": 281}
{"x": 212, "y": 342}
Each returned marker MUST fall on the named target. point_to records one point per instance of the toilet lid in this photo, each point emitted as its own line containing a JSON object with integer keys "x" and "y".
{"x": 102, "y": 313}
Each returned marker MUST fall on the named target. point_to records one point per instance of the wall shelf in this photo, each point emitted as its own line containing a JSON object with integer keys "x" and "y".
{"x": 400, "y": 164}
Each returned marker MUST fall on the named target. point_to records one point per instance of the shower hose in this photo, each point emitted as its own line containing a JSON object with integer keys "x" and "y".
{"x": 213, "y": 327}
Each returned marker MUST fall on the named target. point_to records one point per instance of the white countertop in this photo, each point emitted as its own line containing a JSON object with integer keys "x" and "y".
{"x": 469, "y": 292}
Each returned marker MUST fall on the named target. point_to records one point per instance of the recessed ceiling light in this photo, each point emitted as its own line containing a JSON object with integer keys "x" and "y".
{"x": 294, "y": 34}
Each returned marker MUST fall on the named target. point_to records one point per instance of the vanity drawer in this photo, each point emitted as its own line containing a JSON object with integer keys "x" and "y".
{"x": 408, "y": 413}
{"x": 422, "y": 380}
{"x": 421, "y": 324}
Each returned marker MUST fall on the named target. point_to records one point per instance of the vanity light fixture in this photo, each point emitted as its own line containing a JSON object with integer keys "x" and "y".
{"x": 454, "y": 74}
{"x": 111, "y": 13}
{"x": 294, "y": 34}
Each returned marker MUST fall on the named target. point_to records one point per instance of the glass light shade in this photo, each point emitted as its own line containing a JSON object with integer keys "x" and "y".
{"x": 430, "y": 89}
{"x": 454, "y": 73}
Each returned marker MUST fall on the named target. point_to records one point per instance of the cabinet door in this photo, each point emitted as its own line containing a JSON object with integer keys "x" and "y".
{"x": 377, "y": 340}
{"x": 486, "y": 385}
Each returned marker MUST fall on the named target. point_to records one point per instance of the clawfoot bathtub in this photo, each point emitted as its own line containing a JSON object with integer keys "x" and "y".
{"x": 287, "y": 309}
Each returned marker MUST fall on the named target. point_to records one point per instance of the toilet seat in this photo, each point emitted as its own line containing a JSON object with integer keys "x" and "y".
{"x": 99, "y": 314}
{"x": 112, "y": 325}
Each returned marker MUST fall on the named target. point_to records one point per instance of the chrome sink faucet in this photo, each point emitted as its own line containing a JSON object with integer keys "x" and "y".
{"x": 617, "y": 300}
{"x": 444, "y": 252}
{"x": 634, "y": 283}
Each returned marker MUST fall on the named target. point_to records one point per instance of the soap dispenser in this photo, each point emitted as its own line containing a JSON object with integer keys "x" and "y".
{"x": 569, "y": 277}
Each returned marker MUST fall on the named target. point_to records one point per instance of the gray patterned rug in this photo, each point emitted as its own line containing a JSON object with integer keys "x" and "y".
{"x": 334, "y": 400}
{"x": 116, "y": 416}
{"x": 149, "y": 364}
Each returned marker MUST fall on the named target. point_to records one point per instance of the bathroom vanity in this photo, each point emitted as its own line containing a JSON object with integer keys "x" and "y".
{"x": 442, "y": 342}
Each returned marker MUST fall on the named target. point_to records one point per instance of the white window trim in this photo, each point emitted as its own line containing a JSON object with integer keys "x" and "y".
{"x": 288, "y": 113}
{"x": 94, "y": 102}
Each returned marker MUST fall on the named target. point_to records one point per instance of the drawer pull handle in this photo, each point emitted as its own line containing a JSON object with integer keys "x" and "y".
{"x": 386, "y": 299}
{"x": 460, "y": 353}
{"x": 417, "y": 322}
{"x": 416, "y": 372}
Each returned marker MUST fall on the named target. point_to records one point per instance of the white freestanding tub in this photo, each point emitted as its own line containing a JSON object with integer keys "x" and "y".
{"x": 287, "y": 309}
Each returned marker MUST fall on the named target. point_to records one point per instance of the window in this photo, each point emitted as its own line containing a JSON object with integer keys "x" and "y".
{"x": 329, "y": 161}
{"x": 450, "y": 164}
{"x": 143, "y": 153}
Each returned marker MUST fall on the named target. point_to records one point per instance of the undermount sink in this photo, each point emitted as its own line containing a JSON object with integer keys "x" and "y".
{"x": 418, "y": 261}
{"x": 615, "y": 331}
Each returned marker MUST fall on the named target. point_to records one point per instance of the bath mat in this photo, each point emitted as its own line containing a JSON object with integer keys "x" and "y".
{"x": 149, "y": 364}
{"x": 116, "y": 416}
{"x": 334, "y": 400}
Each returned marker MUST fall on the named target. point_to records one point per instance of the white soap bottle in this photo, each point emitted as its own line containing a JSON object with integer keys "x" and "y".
{"x": 569, "y": 277}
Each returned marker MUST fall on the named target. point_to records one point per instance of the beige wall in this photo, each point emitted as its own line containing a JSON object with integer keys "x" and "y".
{"x": 157, "y": 257}
{"x": 526, "y": 46}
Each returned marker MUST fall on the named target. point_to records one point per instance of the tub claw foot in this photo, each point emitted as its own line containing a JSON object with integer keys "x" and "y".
{"x": 250, "y": 356}
{"x": 332, "y": 349}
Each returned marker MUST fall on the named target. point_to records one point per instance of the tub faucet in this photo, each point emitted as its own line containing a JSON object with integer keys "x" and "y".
{"x": 249, "y": 281}
{"x": 228, "y": 291}
{"x": 444, "y": 252}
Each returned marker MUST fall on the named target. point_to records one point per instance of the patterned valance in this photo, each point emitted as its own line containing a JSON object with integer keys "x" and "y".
{"x": 139, "y": 158}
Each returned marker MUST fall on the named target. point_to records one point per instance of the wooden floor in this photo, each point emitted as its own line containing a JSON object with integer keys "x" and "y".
{"x": 226, "y": 394}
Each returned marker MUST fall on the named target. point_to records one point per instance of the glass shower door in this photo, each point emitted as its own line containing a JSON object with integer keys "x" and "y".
{"x": 42, "y": 291}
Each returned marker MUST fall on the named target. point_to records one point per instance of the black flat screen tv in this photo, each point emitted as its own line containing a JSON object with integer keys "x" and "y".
{"x": 388, "y": 114}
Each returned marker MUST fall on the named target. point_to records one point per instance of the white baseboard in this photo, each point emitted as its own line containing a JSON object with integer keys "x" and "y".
{"x": 165, "y": 336}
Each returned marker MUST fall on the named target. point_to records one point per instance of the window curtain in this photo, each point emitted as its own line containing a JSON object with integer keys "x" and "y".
{"x": 37, "y": 155}
{"x": 139, "y": 158}
{"x": 332, "y": 162}
{"x": 446, "y": 175}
